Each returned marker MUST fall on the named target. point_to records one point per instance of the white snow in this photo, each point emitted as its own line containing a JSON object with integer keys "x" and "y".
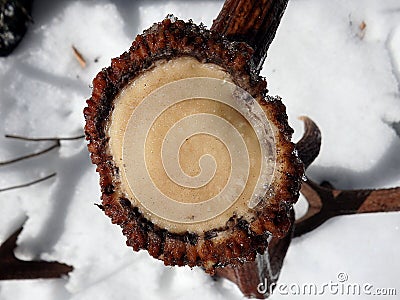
{"x": 321, "y": 63}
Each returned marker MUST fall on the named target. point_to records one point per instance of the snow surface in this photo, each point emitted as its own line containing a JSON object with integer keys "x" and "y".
{"x": 322, "y": 65}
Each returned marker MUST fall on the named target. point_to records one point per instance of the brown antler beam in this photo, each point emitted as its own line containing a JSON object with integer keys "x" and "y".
{"x": 325, "y": 202}
{"x": 252, "y": 21}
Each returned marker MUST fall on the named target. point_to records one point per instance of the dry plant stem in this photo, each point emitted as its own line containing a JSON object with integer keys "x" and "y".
{"x": 79, "y": 57}
{"x": 10, "y": 266}
{"x": 28, "y": 183}
{"x": 24, "y": 138}
{"x": 252, "y": 21}
{"x": 13, "y": 268}
{"x": 14, "y": 160}
{"x": 57, "y": 144}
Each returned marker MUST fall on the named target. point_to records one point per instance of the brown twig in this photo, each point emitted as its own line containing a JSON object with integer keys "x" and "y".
{"x": 57, "y": 144}
{"x": 28, "y": 183}
{"x": 79, "y": 57}
{"x": 14, "y": 268}
{"x": 18, "y": 137}
{"x": 252, "y": 21}
{"x": 14, "y": 160}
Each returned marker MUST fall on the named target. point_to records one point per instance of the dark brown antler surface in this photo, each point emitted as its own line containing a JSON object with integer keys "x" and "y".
{"x": 255, "y": 279}
{"x": 252, "y": 21}
{"x": 326, "y": 202}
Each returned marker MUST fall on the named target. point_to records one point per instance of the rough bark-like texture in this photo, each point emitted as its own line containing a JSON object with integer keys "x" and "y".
{"x": 252, "y": 21}
{"x": 238, "y": 241}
